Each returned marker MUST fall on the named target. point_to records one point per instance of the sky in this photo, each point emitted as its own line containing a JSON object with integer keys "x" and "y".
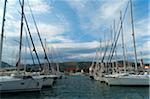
{"x": 74, "y": 29}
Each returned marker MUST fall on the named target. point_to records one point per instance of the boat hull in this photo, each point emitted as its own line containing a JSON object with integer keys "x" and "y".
{"x": 20, "y": 85}
{"x": 47, "y": 80}
{"x": 128, "y": 81}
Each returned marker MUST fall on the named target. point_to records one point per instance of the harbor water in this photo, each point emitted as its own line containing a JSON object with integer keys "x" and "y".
{"x": 82, "y": 87}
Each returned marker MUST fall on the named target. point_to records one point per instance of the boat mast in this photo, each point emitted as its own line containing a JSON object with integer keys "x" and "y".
{"x": 142, "y": 63}
{"x": 115, "y": 52}
{"x": 46, "y": 66}
{"x": 98, "y": 57}
{"x": 57, "y": 62}
{"x": 95, "y": 63}
{"x": 133, "y": 35}
{"x": 2, "y": 32}
{"x": 21, "y": 32}
{"x": 123, "y": 48}
{"x": 113, "y": 62}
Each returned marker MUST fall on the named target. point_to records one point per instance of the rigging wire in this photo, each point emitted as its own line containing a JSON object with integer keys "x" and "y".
{"x": 117, "y": 36}
{"x": 29, "y": 47}
{"x": 34, "y": 48}
{"x": 46, "y": 57}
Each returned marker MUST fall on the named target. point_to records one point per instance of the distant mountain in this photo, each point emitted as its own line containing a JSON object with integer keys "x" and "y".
{"x": 63, "y": 66}
{"x": 71, "y": 65}
{"x": 81, "y": 65}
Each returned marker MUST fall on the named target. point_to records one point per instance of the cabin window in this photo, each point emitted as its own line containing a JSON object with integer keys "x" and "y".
{"x": 37, "y": 83}
{"x": 22, "y": 83}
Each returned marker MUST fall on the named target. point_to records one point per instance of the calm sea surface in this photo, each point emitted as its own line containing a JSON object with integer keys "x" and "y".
{"x": 82, "y": 87}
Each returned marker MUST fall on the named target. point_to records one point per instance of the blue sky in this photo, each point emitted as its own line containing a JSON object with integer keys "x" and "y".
{"x": 73, "y": 28}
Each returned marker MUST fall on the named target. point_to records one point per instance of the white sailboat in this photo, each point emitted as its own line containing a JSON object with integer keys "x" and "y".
{"x": 55, "y": 64}
{"x": 17, "y": 82}
{"x": 47, "y": 79}
{"x": 126, "y": 79}
{"x": 45, "y": 75}
{"x": 91, "y": 69}
{"x": 96, "y": 70}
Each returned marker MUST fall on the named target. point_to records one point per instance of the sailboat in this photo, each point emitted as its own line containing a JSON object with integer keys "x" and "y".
{"x": 55, "y": 65}
{"x": 125, "y": 78}
{"x": 128, "y": 80}
{"x": 44, "y": 74}
{"x": 17, "y": 82}
{"x": 96, "y": 70}
{"x": 92, "y": 67}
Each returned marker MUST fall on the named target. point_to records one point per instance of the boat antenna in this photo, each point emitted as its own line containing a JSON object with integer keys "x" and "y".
{"x": 2, "y": 32}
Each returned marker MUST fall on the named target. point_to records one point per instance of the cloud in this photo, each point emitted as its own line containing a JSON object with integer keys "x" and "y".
{"x": 51, "y": 29}
{"x": 78, "y": 5}
{"x": 78, "y": 45}
{"x": 81, "y": 56}
{"x": 106, "y": 13}
{"x": 51, "y": 32}
{"x": 142, "y": 27}
{"x": 97, "y": 16}
{"x": 61, "y": 39}
{"x": 144, "y": 48}
{"x": 38, "y": 7}
{"x": 110, "y": 9}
